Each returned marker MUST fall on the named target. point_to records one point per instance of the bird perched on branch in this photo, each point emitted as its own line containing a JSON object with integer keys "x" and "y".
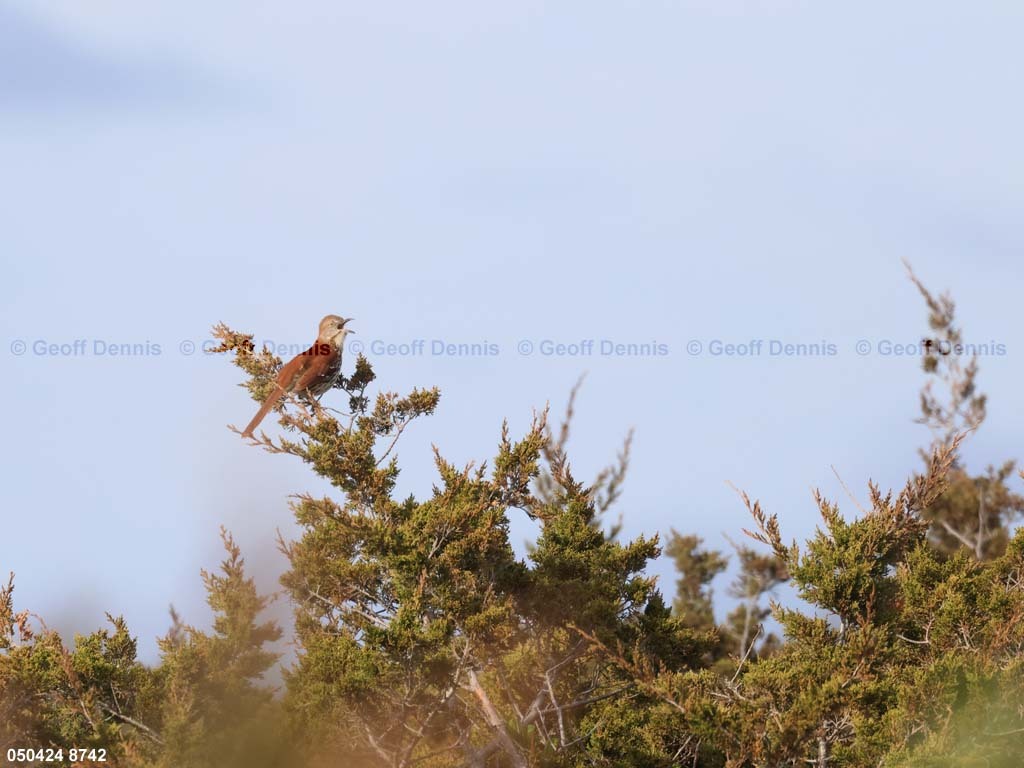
{"x": 311, "y": 373}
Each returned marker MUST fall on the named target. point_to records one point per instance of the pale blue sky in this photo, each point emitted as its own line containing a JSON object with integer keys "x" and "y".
{"x": 661, "y": 172}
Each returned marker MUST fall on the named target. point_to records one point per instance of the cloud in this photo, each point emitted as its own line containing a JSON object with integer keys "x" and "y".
{"x": 44, "y": 68}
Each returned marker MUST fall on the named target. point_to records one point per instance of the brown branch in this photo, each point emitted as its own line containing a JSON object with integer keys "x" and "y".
{"x": 146, "y": 730}
{"x": 495, "y": 721}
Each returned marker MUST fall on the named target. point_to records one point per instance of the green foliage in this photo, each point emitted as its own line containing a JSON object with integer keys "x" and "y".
{"x": 423, "y": 640}
{"x": 52, "y": 696}
{"x": 907, "y": 652}
{"x": 744, "y": 630}
{"x": 975, "y": 513}
{"x": 205, "y": 695}
{"x": 696, "y": 568}
{"x": 201, "y": 706}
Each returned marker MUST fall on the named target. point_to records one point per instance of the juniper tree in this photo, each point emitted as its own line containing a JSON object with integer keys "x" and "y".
{"x": 696, "y": 567}
{"x": 52, "y": 696}
{"x": 977, "y": 511}
{"x": 745, "y": 633}
{"x": 908, "y": 657}
{"x": 423, "y": 638}
{"x": 202, "y": 705}
{"x": 206, "y": 696}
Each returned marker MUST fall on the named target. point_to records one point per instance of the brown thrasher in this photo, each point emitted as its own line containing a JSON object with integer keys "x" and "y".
{"x": 311, "y": 373}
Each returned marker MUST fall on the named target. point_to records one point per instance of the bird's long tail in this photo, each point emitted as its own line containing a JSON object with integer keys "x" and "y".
{"x": 269, "y": 403}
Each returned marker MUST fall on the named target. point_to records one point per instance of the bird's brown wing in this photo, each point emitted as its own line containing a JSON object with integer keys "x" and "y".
{"x": 318, "y": 369}
{"x": 303, "y": 373}
{"x": 293, "y": 371}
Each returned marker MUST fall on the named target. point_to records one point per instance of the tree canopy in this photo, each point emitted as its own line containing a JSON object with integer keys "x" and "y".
{"x": 423, "y": 639}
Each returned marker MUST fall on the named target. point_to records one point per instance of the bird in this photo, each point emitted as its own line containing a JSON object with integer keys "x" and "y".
{"x": 311, "y": 373}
